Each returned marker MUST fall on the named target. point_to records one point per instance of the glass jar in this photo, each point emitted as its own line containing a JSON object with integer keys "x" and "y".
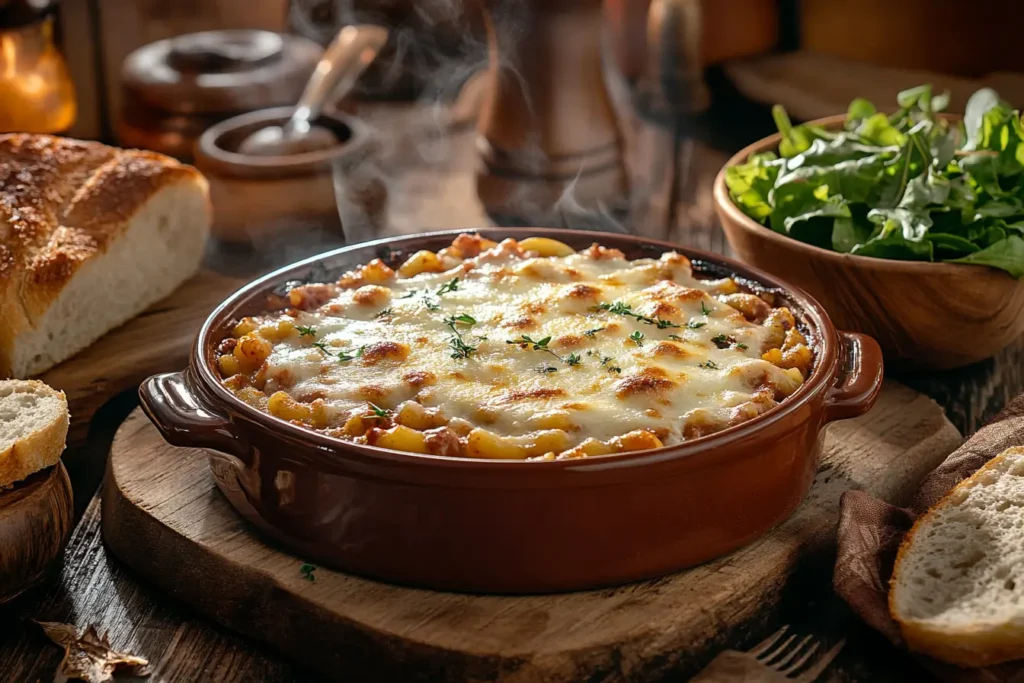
{"x": 36, "y": 91}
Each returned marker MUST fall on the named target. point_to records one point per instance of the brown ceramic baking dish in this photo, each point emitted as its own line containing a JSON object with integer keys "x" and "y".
{"x": 512, "y": 526}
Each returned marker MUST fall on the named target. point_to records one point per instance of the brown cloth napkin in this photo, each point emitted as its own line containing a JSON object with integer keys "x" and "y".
{"x": 870, "y": 532}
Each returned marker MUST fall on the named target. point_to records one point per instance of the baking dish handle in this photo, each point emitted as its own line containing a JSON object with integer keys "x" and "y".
{"x": 184, "y": 419}
{"x": 859, "y": 379}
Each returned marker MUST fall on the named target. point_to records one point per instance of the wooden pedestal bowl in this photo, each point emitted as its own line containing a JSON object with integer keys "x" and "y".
{"x": 925, "y": 316}
{"x": 548, "y": 129}
{"x": 35, "y": 523}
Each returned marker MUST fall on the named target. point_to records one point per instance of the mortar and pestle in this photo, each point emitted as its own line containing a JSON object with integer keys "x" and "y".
{"x": 274, "y": 169}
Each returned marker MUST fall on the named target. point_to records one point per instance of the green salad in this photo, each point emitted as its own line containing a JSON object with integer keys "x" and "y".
{"x": 907, "y": 185}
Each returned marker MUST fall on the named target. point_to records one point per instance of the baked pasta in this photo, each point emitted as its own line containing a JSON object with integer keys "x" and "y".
{"x": 524, "y": 350}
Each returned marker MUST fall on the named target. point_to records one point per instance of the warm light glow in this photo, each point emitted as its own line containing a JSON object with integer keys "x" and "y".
{"x": 36, "y": 92}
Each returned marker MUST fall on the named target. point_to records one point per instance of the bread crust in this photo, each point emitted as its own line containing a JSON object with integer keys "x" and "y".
{"x": 62, "y": 203}
{"x": 982, "y": 645}
{"x": 40, "y": 449}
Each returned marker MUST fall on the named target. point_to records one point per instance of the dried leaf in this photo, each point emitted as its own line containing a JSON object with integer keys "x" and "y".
{"x": 88, "y": 657}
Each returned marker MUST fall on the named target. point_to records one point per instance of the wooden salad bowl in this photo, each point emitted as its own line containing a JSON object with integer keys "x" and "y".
{"x": 925, "y": 316}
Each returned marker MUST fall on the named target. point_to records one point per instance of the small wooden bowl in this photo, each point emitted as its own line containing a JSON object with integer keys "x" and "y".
{"x": 35, "y": 523}
{"x": 254, "y": 196}
{"x": 925, "y": 316}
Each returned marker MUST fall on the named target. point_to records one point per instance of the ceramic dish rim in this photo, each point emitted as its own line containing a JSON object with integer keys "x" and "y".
{"x": 821, "y": 379}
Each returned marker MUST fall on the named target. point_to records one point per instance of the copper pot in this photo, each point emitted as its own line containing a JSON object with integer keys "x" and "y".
{"x": 512, "y": 526}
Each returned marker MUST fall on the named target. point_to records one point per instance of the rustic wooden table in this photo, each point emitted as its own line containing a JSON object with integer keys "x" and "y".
{"x": 428, "y": 169}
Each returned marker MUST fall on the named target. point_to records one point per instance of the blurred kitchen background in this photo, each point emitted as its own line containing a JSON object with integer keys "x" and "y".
{"x": 612, "y": 115}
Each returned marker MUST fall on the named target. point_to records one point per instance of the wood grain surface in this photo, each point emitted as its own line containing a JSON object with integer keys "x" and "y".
{"x": 430, "y": 183}
{"x": 35, "y": 522}
{"x": 163, "y": 516}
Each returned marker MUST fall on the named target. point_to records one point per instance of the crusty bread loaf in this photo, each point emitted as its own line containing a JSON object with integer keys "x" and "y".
{"x": 33, "y": 427}
{"x": 90, "y": 235}
{"x": 957, "y": 589}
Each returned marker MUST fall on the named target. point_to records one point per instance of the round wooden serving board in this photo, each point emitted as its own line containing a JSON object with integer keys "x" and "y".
{"x": 164, "y": 517}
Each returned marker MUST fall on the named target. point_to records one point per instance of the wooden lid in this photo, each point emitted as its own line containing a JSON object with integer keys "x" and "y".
{"x": 220, "y": 71}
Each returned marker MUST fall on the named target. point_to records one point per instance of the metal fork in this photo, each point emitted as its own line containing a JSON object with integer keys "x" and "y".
{"x": 777, "y": 659}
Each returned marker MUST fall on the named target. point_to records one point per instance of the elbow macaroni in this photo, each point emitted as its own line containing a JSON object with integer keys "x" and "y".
{"x": 518, "y": 350}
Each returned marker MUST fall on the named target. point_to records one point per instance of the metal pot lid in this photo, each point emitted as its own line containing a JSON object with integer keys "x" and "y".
{"x": 220, "y": 71}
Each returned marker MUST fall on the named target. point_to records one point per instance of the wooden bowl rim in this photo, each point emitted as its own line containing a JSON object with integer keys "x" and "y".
{"x": 727, "y": 206}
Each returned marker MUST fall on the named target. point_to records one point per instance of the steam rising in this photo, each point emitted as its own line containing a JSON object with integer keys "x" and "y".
{"x": 439, "y": 49}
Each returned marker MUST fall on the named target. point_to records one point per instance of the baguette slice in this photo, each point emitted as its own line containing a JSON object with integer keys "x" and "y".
{"x": 957, "y": 589}
{"x": 90, "y": 236}
{"x": 33, "y": 427}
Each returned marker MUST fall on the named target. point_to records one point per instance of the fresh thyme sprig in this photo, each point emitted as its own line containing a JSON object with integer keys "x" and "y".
{"x": 460, "y": 349}
{"x": 637, "y": 338}
{"x": 307, "y": 570}
{"x": 605, "y": 360}
{"x": 704, "y": 310}
{"x": 378, "y": 412}
{"x": 620, "y": 308}
{"x": 708, "y": 365}
{"x": 383, "y": 313}
{"x": 431, "y": 299}
{"x": 525, "y": 342}
{"x": 592, "y": 333}
{"x": 450, "y": 286}
{"x": 723, "y": 341}
{"x": 343, "y": 356}
{"x": 306, "y": 331}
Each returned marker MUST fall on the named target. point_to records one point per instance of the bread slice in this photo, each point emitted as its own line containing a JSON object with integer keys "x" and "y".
{"x": 957, "y": 589}
{"x": 90, "y": 236}
{"x": 33, "y": 427}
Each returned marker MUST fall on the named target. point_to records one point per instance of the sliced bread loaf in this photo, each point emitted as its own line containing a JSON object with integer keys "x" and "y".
{"x": 33, "y": 427}
{"x": 957, "y": 589}
{"x": 90, "y": 236}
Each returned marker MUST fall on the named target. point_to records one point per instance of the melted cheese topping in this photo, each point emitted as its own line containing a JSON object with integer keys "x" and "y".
{"x": 542, "y": 352}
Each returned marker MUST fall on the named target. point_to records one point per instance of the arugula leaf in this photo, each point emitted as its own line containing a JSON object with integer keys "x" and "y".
{"x": 859, "y": 109}
{"x": 750, "y": 183}
{"x": 909, "y": 185}
{"x": 1007, "y": 254}
{"x": 901, "y": 235}
{"x": 978, "y": 107}
{"x": 847, "y": 233}
{"x": 951, "y": 245}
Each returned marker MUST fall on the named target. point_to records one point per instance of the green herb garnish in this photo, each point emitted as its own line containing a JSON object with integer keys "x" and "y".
{"x": 620, "y": 308}
{"x": 907, "y": 186}
{"x": 592, "y": 333}
{"x": 307, "y": 572}
{"x": 526, "y": 342}
{"x": 606, "y": 360}
{"x": 378, "y": 412}
{"x": 676, "y": 337}
{"x": 694, "y": 325}
{"x": 343, "y": 356}
{"x": 383, "y": 313}
{"x": 704, "y": 310}
{"x": 450, "y": 286}
{"x": 742, "y": 346}
{"x": 637, "y": 338}
{"x": 306, "y": 331}
{"x": 708, "y": 365}
{"x": 460, "y": 349}
{"x": 723, "y": 341}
